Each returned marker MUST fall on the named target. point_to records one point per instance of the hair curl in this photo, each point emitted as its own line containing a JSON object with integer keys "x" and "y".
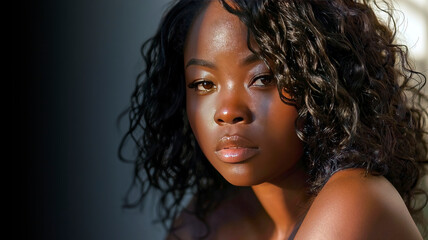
{"x": 355, "y": 92}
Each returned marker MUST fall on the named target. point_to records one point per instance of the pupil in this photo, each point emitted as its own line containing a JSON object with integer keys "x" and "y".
{"x": 266, "y": 80}
{"x": 207, "y": 85}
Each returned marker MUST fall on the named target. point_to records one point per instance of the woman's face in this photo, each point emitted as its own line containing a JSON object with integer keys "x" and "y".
{"x": 233, "y": 106}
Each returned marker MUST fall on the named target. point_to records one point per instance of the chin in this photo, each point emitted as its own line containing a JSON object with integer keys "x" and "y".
{"x": 241, "y": 176}
{"x": 242, "y": 183}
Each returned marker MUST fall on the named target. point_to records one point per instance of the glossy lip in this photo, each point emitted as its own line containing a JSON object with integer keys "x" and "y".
{"x": 235, "y": 149}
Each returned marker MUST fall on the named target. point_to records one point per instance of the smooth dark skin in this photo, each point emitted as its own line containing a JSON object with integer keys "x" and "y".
{"x": 226, "y": 95}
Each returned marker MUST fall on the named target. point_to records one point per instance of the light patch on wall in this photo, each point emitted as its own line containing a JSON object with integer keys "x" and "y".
{"x": 411, "y": 17}
{"x": 413, "y": 30}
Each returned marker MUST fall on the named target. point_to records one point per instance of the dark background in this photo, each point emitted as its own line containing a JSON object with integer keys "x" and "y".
{"x": 80, "y": 59}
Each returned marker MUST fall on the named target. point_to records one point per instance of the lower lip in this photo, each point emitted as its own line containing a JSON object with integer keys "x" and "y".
{"x": 236, "y": 155}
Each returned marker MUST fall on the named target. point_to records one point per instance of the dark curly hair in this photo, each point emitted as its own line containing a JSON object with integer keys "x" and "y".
{"x": 356, "y": 94}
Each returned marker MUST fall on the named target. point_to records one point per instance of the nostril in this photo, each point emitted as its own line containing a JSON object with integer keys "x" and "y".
{"x": 220, "y": 120}
{"x": 238, "y": 119}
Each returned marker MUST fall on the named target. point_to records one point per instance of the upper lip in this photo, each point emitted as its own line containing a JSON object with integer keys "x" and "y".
{"x": 234, "y": 141}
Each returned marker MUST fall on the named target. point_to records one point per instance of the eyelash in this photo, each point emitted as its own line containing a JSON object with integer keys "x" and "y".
{"x": 197, "y": 84}
{"x": 264, "y": 76}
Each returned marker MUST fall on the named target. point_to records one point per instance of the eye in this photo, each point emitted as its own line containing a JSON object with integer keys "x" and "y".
{"x": 203, "y": 86}
{"x": 263, "y": 81}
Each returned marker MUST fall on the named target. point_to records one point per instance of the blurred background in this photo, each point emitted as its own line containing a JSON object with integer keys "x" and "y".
{"x": 81, "y": 62}
{"x": 83, "y": 59}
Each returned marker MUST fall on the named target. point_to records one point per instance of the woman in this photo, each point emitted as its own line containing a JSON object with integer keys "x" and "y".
{"x": 283, "y": 120}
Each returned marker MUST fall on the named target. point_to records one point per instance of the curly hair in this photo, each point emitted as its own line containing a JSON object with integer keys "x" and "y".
{"x": 357, "y": 96}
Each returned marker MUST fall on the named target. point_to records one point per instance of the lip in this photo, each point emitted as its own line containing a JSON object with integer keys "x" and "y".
{"x": 235, "y": 149}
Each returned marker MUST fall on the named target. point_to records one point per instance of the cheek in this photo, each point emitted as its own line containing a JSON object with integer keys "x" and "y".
{"x": 280, "y": 132}
{"x": 191, "y": 110}
{"x": 281, "y": 122}
{"x": 277, "y": 117}
{"x": 199, "y": 114}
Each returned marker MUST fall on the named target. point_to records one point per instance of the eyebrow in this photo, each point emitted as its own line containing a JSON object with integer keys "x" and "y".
{"x": 252, "y": 58}
{"x": 204, "y": 63}
{"x": 200, "y": 62}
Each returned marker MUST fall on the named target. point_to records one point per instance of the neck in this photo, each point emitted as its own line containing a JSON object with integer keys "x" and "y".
{"x": 285, "y": 200}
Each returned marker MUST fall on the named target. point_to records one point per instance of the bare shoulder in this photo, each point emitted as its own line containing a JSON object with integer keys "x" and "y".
{"x": 353, "y": 205}
{"x": 237, "y": 217}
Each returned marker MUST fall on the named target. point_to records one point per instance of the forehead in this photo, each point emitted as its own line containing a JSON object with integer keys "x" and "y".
{"x": 215, "y": 29}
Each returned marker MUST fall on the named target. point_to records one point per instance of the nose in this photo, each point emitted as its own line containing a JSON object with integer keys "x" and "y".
{"x": 233, "y": 109}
